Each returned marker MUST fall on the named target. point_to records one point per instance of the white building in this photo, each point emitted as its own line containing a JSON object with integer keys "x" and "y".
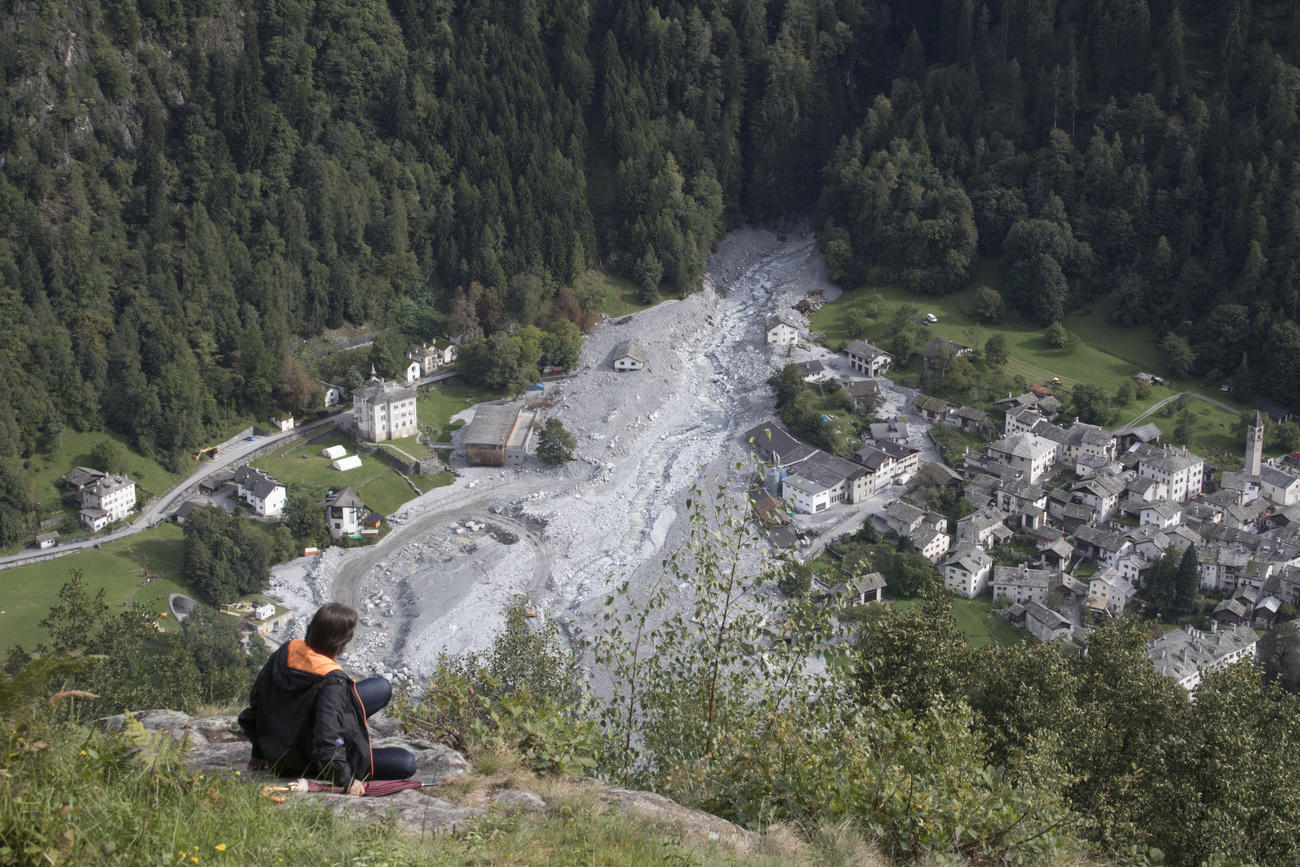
{"x": 333, "y": 394}
{"x": 262, "y": 493}
{"x": 283, "y": 424}
{"x": 1186, "y": 655}
{"x": 413, "y": 372}
{"x": 1108, "y": 590}
{"x": 630, "y": 355}
{"x": 108, "y": 499}
{"x": 867, "y": 359}
{"x": 343, "y": 512}
{"x": 1279, "y": 486}
{"x": 1178, "y": 469}
{"x": 931, "y": 543}
{"x": 783, "y": 330}
{"x": 1032, "y": 455}
{"x": 384, "y": 410}
{"x": 966, "y": 572}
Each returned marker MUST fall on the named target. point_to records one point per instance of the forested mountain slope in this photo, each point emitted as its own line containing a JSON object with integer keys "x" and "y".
{"x": 189, "y": 187}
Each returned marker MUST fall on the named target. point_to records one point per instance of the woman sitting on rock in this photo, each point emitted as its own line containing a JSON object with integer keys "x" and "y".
{"x": 307, "y": 718}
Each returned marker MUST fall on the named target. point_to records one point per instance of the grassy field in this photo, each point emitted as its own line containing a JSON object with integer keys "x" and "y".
{"x": 74, "y": 450}
{"x": 118, "y": 568}
{"x": 303, "y": 467}
{"x": 621, "y": 296}
{"x": 975, "y": 619}
{"x": 435, "y": 407}
{"x": 1106, "y": 356}
{"x": 1213, "y": 428}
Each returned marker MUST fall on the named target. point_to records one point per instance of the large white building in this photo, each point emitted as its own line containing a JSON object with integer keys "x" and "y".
{"x": 1178, "y": 469}
{"x": 343, "y": 512}
{"x": 107, "y": 499}
{"x": 384, "y": 410}
{"x": 966, "y": 572}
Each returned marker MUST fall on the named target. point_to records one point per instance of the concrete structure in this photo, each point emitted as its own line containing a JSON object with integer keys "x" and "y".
{"x": 343, "y": 511}
{"x": 630, "y": 355}
{"x": 383, "y": 410}
{"x": 283, "y": 424}
{"x": 498, "y": 434}
{"x": 46, "y": 540}
{"x": 1186, "y": 655}
{"x": 867, "y": 359}
{"x": 783, "y": 329}
{"x": 1254, "y": 445}
{"x": 262, "y": 493}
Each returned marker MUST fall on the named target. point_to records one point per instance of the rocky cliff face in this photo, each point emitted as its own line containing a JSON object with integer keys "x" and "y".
{"x": 217, "y": 746}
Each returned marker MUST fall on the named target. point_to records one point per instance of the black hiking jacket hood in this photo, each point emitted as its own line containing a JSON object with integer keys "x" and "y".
{"x": 306, "y": 719}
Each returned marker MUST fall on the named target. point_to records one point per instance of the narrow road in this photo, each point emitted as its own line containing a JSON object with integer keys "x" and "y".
{"x": 1155, "y": 406}
{"x": 233, "y": 451}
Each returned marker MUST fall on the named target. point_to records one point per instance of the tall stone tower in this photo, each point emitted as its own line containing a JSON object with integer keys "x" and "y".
{"x": 1255, "y": 444}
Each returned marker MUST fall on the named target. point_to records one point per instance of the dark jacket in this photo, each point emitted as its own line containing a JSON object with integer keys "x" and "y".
{"x": 305, "y": 717}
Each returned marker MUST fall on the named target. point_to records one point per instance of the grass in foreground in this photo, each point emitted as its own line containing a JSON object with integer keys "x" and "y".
{"x": 28, "y": 592}
{"x": 77, "y": 795}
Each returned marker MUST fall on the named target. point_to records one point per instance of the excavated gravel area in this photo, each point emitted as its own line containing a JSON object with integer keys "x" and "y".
{"x": 563, "y": 537}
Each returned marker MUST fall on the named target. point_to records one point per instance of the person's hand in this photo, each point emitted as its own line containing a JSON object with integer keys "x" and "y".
{"x": 256, "y": 764}
{"x": 357, "y": 788}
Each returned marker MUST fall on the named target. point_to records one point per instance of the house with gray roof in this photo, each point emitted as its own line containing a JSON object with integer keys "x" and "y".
{"x": 868, "y": 360}
{"x": 1185, "y": 655}
{"x": 1022, "y": 584}
{"x": 1178, "y": 469}
{"x": 966, "y": 571}
{"x": 630, "y": 355}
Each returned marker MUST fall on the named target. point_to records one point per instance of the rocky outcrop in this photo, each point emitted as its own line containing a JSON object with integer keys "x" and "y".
{"x": 217, "y": 745}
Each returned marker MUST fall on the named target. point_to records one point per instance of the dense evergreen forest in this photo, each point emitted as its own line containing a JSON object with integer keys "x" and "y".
{"x": 190, "y": 187}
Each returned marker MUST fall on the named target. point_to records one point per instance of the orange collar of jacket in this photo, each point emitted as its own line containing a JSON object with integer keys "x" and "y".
{"x": 303, "y": 658}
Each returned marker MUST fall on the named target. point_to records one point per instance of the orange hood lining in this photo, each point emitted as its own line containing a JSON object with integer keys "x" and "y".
{"x": 303, "y": 658}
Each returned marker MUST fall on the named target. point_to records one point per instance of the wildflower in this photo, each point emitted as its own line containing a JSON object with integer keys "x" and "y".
{"x": 220, "y": 847}
{"x": 195, "y": 860}
{"x": 236, "y": 773}
{"x": 83, "y": 752}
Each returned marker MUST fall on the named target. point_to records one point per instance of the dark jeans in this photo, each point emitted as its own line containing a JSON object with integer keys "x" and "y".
{"x": 391, "y": 763}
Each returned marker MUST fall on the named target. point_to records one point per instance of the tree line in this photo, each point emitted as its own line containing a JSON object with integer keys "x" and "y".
{"x": 188, "y": 194}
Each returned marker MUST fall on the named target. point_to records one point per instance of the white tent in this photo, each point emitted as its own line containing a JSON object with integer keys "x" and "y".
{"x": 351, "y": 462}
{"x": 334, "y": 452}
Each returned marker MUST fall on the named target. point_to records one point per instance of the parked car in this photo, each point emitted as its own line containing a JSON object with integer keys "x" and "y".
{"x": 930, "y": 317}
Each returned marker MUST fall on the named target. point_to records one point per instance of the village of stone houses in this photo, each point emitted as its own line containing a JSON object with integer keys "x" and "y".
{"x": 1069, "y": 518}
